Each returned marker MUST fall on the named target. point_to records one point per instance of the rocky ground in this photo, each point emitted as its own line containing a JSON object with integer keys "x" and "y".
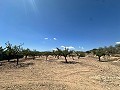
{"x": 83, "y": 74}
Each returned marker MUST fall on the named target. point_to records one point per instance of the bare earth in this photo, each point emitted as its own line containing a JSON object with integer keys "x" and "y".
{"x": 83, "y": 74}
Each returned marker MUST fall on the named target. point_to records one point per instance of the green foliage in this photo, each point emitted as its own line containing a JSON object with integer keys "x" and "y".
{"x": 56, "y": 53}
{"x": 80, "y": 54}
{"x": 46, "y": 54}
{"x": 66, "y": 52}
{"x": 11, "y": 52}
{"x": 1, "y": 53}
{"x": 26, "y": 52}
{"x": 117, "y": 47}
{"x": 100, "y": 52}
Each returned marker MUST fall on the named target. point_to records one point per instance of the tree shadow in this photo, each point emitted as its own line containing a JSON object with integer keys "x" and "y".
{"x": 70, "y": 62}
{"x": 25, "y": 64}
{"x": 107, "y": 60}
{"x": 8, "y": 66}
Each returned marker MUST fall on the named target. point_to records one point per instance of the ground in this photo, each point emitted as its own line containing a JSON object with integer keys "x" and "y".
{"x": 79, "y": 74}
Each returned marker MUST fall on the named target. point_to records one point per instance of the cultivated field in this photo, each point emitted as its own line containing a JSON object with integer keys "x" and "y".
{"x": 83, "y": 74}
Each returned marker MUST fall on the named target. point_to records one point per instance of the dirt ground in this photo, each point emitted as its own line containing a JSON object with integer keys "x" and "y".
{"x": 83, "y": 74}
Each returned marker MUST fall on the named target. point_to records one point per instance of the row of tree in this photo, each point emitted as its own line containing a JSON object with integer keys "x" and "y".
{"x": 16, "y": 52}
{"x": 105, "y": 51}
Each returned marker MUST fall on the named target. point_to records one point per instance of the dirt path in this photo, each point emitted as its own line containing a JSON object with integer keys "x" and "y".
{"x": 82, "y": 74}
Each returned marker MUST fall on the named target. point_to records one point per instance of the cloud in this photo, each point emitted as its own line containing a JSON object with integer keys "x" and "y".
{"x": 54, "y": 49}
{"x": 62, "y": 46}
{"x": 68, "y": 47}
{"x": 81, "y": 47}
{"x": 54, "y": 38}
{"x": 117, "y": 42}
{"x": 46, "y": 38}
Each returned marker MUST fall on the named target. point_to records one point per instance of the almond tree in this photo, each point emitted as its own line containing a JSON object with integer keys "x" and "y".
{"x": 46, "y": 54}
{"x": 1, "y": 53}
{"x": 33, "y": 54}
{"x": 80, "y": 54}
{"x": 117, "y": 48}
{"x": 9, "y": 51}
{"x": 100, "y": 52}
{"x": 26, "y": 52}
{"x": 72, "y": 54}
{"x": 56, "y": 53}
{"x": 65, "y": 53}
{"x": 17, "y": 52}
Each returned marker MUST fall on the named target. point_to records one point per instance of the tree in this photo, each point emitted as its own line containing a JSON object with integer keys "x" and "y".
{"x": 33, "y": 54}
{"x": 117, "y": 48}
{"x": 100, "y": 52}
{"x": 56, "y": 53}
{"x": 65, "y": 53}
{"x": 9, "y": 51}
{"x": 80, "y": 54}
{"x": 46, "y": 54}
{"x": 1, "y": 53}
{"x": 17, "y": 52}
{"x": 26, "y": 52}
{"x": 72, "y": 54}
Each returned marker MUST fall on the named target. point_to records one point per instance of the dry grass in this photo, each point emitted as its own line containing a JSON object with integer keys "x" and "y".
{"x": 83, "y": 74}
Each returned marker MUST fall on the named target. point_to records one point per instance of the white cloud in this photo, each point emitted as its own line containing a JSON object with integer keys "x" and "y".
{"x": 62, "y": 46}
{"x": 117, "y": 42}
{"x": 46, "y": 38}
{"x": 54, "y": 38}
{"x": 54, "y": 49}
{"x": 68, "y": 47}
{"x": 81, "y": 47}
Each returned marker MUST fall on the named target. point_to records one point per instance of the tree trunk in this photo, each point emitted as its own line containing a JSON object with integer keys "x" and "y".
{"x": 73, "y": 58}
{"x": 55, "y": 56}
{"x": 17, "y": 60}
{"x": 26, "y": 57}
{"x": 99, "y": 58}
{"x": 46, "y": 57}
{"x": 8, "y": 60}
{"x": 66, "y": 60}
{"x": 33, "y": 57}
{"x": 1, "y": 64}
{"x": 58, "y": 57}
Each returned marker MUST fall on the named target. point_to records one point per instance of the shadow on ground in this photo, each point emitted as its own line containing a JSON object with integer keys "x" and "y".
{"x": 70, "y": 62}
{"x": 9, "y": 65}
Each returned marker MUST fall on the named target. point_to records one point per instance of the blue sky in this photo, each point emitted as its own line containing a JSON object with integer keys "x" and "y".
{"x": 47, "y": 24}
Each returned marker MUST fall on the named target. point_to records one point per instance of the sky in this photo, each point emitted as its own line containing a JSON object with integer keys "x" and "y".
{"x": 46, "y": 24}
